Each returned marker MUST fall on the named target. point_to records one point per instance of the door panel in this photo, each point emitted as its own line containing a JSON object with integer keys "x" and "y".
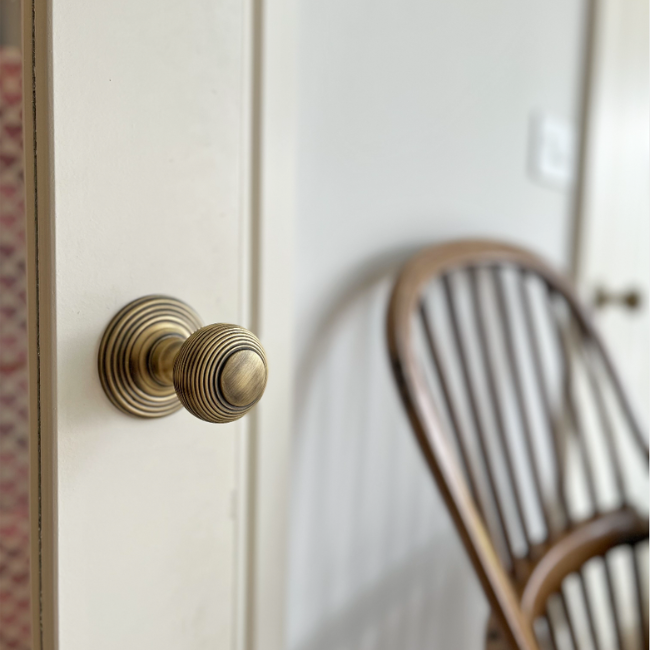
{"x": 142, "y": 164}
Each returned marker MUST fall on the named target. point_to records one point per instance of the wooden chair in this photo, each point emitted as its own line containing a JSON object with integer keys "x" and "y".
{"x": 527, "y": 430}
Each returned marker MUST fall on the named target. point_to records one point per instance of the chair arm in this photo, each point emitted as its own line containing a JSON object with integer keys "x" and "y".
{"x": 591, "y": 538}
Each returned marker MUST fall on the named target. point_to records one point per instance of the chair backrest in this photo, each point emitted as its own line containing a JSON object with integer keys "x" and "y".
{"x": 524, "y": 424}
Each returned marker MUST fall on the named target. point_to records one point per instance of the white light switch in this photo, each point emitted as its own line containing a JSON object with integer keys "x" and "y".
{"x": 552, "y": 153}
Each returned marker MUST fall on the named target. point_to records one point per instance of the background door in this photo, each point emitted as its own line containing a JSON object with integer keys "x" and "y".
{"x": 613, "y": 262}
{"x": 144, "y": 175}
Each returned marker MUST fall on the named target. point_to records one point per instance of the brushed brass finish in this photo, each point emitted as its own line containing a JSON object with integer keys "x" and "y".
{"x": 125, "y": 352}
{"x": 243, "y": 378}
{"x": 162, "y": 357}
{"x": 155, "y": 357}
{"x": 199, "y": 373}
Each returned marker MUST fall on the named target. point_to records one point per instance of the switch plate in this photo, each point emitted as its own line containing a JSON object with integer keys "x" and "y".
{"x": 552, "y": 155}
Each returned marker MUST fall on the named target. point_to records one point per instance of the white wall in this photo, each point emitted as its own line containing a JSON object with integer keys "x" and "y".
{"x": 414, "y": 122}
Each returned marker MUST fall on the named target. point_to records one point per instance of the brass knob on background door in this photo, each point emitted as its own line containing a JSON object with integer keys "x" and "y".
{"x": 630, "y": 299}
{"x": 155, "y": 357}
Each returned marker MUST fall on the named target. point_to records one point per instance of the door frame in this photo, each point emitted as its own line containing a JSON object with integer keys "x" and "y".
{"x": 269, "y": 204}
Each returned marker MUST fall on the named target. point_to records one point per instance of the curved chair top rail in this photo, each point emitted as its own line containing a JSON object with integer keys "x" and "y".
{"x": 439, "y": 259}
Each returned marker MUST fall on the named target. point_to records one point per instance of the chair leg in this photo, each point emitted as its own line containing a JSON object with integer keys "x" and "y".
{"x": 494, "y": 639}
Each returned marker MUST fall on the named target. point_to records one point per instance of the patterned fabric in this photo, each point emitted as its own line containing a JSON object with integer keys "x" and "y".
{"x": 14, "y": 518}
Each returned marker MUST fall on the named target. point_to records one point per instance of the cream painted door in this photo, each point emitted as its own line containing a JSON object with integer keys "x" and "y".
{"x": 157, "y": 163}
{"x": 613, "y": 252}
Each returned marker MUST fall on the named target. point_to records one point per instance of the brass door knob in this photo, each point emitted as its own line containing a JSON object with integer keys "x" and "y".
{"x": 630, "y": 299}
{"x": 155, "y": 357}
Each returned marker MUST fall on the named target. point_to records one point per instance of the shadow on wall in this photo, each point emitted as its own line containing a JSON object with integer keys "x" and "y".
{"x": 375, "y": 561}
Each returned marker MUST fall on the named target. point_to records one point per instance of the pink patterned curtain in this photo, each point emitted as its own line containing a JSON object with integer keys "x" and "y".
{"x": 14, "y": 518}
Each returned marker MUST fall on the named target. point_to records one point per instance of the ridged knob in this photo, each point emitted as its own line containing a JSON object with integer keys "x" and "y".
{"x": 155, "y": 357}
{"x": 220, "y": 372}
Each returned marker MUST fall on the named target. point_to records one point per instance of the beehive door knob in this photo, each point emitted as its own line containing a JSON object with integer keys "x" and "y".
{"x": 220, "y": 372}
{"x": 155, "y": 357}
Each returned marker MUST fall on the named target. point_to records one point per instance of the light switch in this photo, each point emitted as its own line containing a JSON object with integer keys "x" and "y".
{"x": 552, "y": 155}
